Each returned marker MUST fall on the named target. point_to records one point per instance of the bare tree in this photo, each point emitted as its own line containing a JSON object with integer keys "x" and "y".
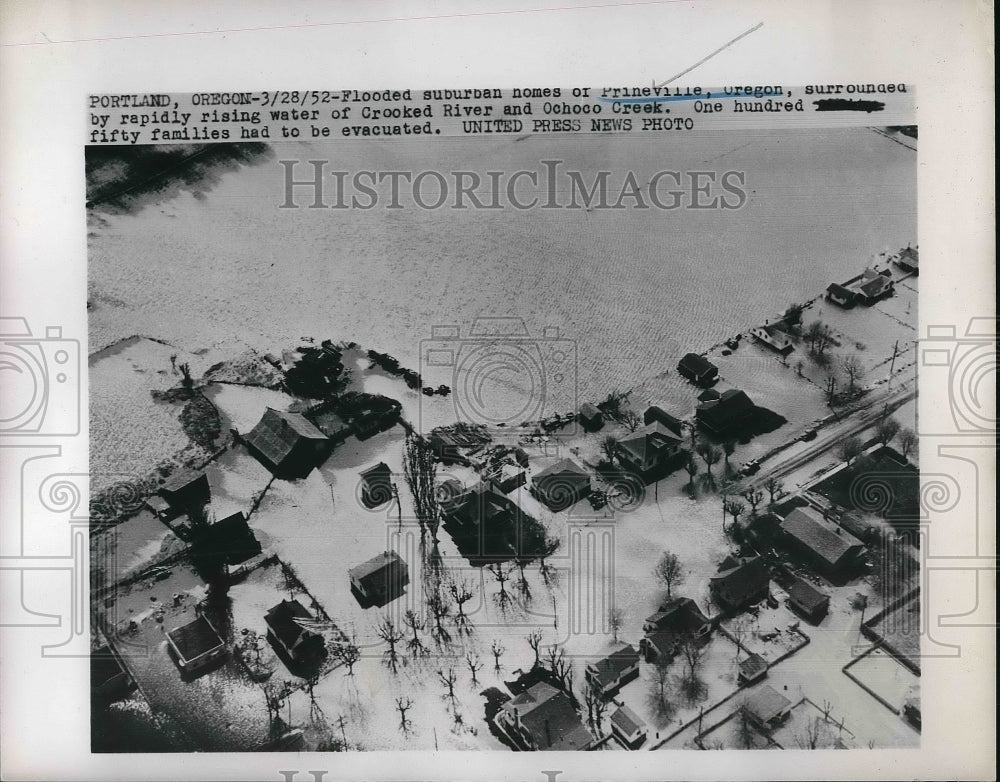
{"x": 691, "y": 651}
{"x": 609, "y": 447}
{"x": 810, "y": 736}
{"x": 775, "y": 489}
{"x": 521, "y": 582}
{"x": 596, "y": 707}
{"x": 448, "y": 681}
{"x": 440, "y": 610}
{"x": 461, "y": 592}
{"x": 475, "y": 666}
{"x": 691, "y": 466}
{"x": 849, "y": 449}
{"x": 561, "y": 668}
{"x": 658, "y": 692}
{"x": 738, "y": 631}
{"x": 403, "y": 705}
{"x": 853, "y": 368}
{"x": 348, "y": 653}
{"x": 503, "y": 598}
{"x": 745, "y": 728}
{"x": 414, "y": 624}
{"x": 549, "y": 547}
{"x": 754, "y": 496}
{"x": 907, "y": 441}
{"x": 630, "y": 419}
{"x": 886, "y": 429}
{"x": 392, "y": 635}
{"x": 535, "y": 641}
{"x": 420, "y": 472}
{"x": 728, "y": 448}
{"x": 735, "y": 508}
{"x": 830, "y": 387}
{"x": 819, "y": 337}
{"x": 710, "y": 454}
{"x": 615, "y": 618}
{"x": 496, "y": 650}
{"x": 669, "y": 571}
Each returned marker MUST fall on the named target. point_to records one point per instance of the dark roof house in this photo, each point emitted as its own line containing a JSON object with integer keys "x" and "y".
{"x": 873, "y": 285}
{"x": 610, "y": 673}
{"x": 380, "y": 580}
{"x": 561, "y": 484}
{"x": 591, "y": 418}
{"x": 698, "y": 369}
{"x": 752, "y": 669}
{"x": 726, "y": 414}
{"x": 740, "y": 583}
{"x": 650, "y": 450}
{"x": 543, "y": 718}
{"x": 656, "y": 414}
{"x": 287, "y": 444}
{"x": 287, "y": 628}
{"x": 831, "y": 549}
{"x": 841, "y": 294}
{"x": 196, "y": 645}
{"x": 376, "y": 485}
{"x": 808, "y": 600}
{"x": 230, "y": 539}
{"x": 186, "y": 489}
{"x": 909, "y": 259}
{"x": 665, "y": 629}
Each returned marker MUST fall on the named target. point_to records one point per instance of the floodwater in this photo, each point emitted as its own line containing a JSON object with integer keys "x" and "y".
{"x": 630, "y": 290}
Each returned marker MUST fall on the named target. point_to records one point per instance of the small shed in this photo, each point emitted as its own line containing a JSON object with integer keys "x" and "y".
{"x": 376, "y": 485}
{"x": 591, "y": 418}
{"x": 186, "y": 489}
{"x": 196, "y": 645}
{"x": 380, "y": 580}
{"x": 752, "y": 669}
{"x": 628, "y": 727}
{"x": 768, "y": 707}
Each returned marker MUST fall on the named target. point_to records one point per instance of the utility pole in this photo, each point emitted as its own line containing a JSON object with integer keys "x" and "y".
{"x": 343, "y": 734}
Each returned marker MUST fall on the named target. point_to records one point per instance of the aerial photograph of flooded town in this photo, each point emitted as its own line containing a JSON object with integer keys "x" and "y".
{"x": 506, "y": 443}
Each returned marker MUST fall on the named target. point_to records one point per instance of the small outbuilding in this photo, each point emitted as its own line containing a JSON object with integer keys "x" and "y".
{"x": 196, "y": 645}
{"x": 380, "y": 580}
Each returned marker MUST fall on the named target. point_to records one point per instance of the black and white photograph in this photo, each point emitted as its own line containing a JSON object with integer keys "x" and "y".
{"x": 434, "y": 390}
{"x": 524, "y": 443}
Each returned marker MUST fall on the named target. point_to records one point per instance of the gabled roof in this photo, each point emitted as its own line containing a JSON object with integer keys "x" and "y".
{"x": 282, "y": 621}
{"x": 278, "y": 432}
{"x": 550, "y": 718}
{"x": 589, "y": 411}
{"x": 644, "y": 444}
{"x": 375, "y": 564}
{"x": 563, "y": 467}
{"x": 740, "y": 580}
{"x": 731, "y": 406}
{"x": 875, "y": 286}
{"x": 608, "y": 669}
{"x": 708, "y": 395}
{"x": 767, "y": 703}
{"x": 696, "y": 364}
{"x": 678, "y": 615}
{"x": 483, "y": 503}
{"x": 806, "y": 595}
{"x": 627, "y": 721}
{"x": 181, "y": 479}
{"x": 839, "y": 290}
{"x": 655, "y": 413}
{"x": 828, "y": 541}
{"x": 195, "y": 638}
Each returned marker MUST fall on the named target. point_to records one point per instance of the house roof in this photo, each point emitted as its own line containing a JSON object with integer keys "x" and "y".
{"x": 562, "y": 467}
{"x": 627, "y": 721}
{"x": 377, "y": 471}
{"x": 664, "y": 641}
{"x": 654, "y": 413}
{"x": 767, "y": 703}
{"x": 739, "y": 580}
{"x": 807, "y": 595}
{"x": 708, "y": 395}
{"x": 588, "y": 410}
{"x": 840, "y": 290}
{"x": 195, "y": 638}
{"x": 375, "y": 564}
{"x": 282, "y": 621}
{"x": 614, "y": 665}
{"x": 753, "y": 666}
{"x": 874, "y": 286}
{"x": 483, "y": 503}
{"x": 181, "y": 479}
{"x": 828, "y": 541}
{"x": 731, "y": 406}
{"x": 696, "y": 364}
{"x": 644, "y": 444}
{"x": 550, "y": 718}
{"x": 278, "y": 432}
{"x": 678, "y": 615}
